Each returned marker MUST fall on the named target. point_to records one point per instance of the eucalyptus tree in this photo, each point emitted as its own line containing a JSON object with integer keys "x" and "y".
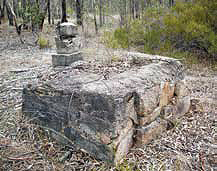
{"x": 79, "y": 11}
{"x": 2, "y": 9}
{"x": 63, "y": 18}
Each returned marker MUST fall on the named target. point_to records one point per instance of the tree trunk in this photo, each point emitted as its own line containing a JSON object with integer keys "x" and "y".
{"x": 2, "y": 9}
{"x": 100, "y": 13}
{"x": 148, "y": 3}
{"x": 49, "y": 12}
{"x": 53, "y": 10}
{"x": 0, "y": 14}
{"x": 15, "y": 7}
{"x": 104, "y": 11}
{"x": 79, "y": 12}
{"x": 23, "y": 5}
{"x": 137, "y": 9}
{"x": 43, "y": 5}
{"x": 122, "y": 12}
{"x": 171, "y": 3}
{"x": 9, "y": 14}
{"x": 142, "y": 10}
{"x": 132, "y": 8}
{"x": 63, "y": 11}
{"x": 95, "y": 22}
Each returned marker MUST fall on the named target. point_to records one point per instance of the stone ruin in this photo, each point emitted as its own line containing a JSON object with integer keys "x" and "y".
{"x": 68, "y": 45}
{"x": 107, "y": 117}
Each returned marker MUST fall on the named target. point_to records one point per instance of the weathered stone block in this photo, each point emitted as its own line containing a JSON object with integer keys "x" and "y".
{"x": 176, "y": 111}
{"x": 146, "y": 134}
{"x": 181, "y": 89}
{"x": 151, "y": 117}
{"x": 167, "y": 93}
{"x": 67, "y": 46}
{"x": 66, "y": 59}
{"x": 101, "y": 116}
{"x": 68, "y": 29}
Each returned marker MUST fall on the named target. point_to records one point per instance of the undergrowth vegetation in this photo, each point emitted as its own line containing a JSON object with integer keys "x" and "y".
{"x": 188, "y": 30}
{"x": 43, "y": 42}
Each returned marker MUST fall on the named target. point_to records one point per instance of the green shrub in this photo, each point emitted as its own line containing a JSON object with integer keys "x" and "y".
{"x": 187, "y": 28}
{"x": 126, "y": 166}
{"x": 190, "y": 27}
{"x": 109, "y": 40}
{"x": 136, "y": 33}
{"x": 122, "y": 37}
{"x": 126, "y": 36}
{"x": 43, "y": 42}
{"x": 152, "y": 41}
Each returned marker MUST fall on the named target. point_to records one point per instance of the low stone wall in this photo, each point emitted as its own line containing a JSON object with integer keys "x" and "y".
{"x": 108, "y": 116}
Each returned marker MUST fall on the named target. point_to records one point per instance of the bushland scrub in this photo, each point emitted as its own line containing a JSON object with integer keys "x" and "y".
{"x": 186, "y": 31}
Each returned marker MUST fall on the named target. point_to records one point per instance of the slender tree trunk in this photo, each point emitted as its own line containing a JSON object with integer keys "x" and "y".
{"x": 132, "y": 8}
{"x": 63, "y": 11}
{"x": 53, "y": 10}
{"x": 15, "y": 7}
{"x": 1, "y": 12}
{"x": 100, "y": 13}
{"x": 123, "y": 12}
{"x": 23, "y": 4}
{"x": 9, "y": 14}
{"x": 48, "y": 11}
{"x": 94, "y": 18}
{"x": 26, "y": 20}
{"x": 104, "y": 11}
{"x": 2, "y": 9}
{"x": 12, "y": 13}
{"x": 142, "y": 9}
{"x": 95, "y": 23}
{"x": 148, "y": 3}
{"x": 137, "y": 15}
{"x": 79, "y": 12}
{"x": 171, "y": 3}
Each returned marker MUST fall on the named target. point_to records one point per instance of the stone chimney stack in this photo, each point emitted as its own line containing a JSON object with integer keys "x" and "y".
{"x": 68, "y": 45}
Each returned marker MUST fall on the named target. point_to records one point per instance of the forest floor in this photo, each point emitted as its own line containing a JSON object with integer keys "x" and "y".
{"x": 190, "y": 145}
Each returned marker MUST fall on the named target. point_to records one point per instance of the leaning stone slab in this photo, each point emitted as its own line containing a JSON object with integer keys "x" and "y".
{"x": 103, "y": 116}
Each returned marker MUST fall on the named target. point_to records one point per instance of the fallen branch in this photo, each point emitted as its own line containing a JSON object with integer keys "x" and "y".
{"x": 19, "y": 158}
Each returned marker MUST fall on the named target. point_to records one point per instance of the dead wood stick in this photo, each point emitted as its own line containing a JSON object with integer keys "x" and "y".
{"x": 24, "y": 154}
{"x": 20, "y": 158}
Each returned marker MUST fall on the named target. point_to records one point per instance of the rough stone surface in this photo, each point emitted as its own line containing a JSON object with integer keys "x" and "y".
{"x": 167, "y": 93}
{"x": 145, "y": 134}
{"x": 182, "y": 107}
{"x": 103, "y": 116}
{"x": 68, "y": 30}
{"x": 65, "y": 59}
{"x": 181, "y": 89}
{"x": 150, "y": 118}
{"x": 67, "y": 46}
